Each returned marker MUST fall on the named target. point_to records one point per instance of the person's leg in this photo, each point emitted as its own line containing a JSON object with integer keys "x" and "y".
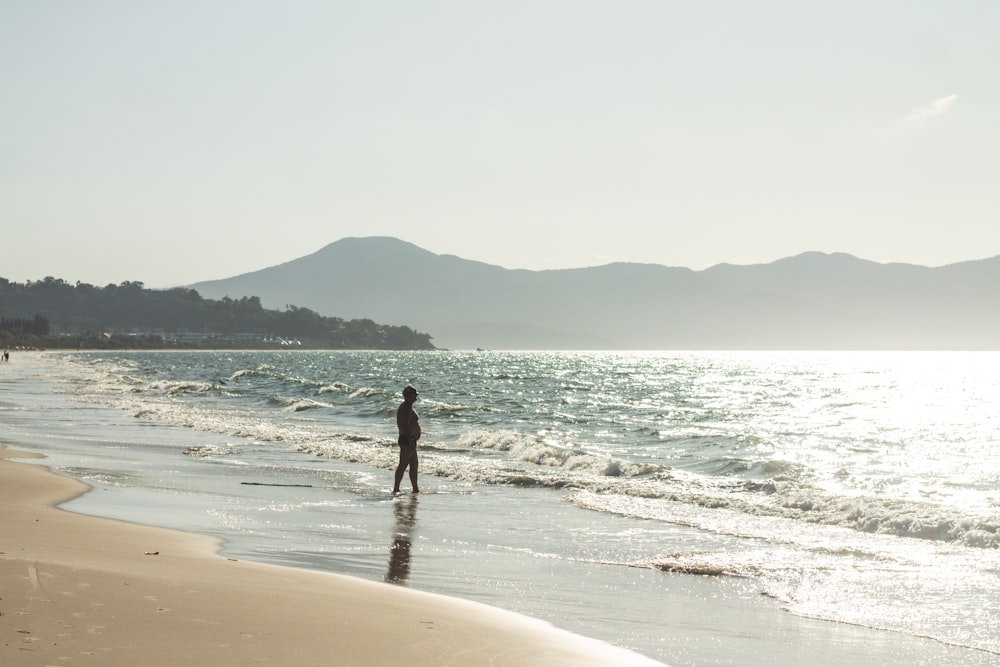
{"x": 403, "y": 460}
{"x": 413, "y": 470}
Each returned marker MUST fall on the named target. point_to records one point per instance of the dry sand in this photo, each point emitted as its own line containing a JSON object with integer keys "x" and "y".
{"x": 80, "y": 590}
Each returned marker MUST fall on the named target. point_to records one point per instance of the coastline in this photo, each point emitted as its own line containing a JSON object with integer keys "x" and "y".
{"x": 136, "y": 478}
{"x": 87, "y": 590}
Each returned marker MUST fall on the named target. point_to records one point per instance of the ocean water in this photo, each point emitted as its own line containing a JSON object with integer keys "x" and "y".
{"x": 700, "y": 508}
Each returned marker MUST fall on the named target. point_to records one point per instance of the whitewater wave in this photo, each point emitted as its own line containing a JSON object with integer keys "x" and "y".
{"x": 263, "y": 371}
{"x": 606, "y": 483}
{"x": 366, "y": 392}
{"x": 303, "y": 404}
{"x": 673, "y": 503}
{"x": 537, "y": 451}
{"x": 335, "y": 388}
{"x": 182, "y": 388}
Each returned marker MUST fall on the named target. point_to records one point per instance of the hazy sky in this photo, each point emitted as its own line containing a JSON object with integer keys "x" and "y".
{"x": 172, "y": 142}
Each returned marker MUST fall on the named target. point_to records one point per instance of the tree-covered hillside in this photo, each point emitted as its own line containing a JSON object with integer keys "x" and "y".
{"x": 54, "y": 313}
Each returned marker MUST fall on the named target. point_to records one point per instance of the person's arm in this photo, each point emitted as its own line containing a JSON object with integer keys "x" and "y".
{"x": 403, "y": 419}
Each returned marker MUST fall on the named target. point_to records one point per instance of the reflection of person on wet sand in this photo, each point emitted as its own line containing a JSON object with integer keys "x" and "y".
{"x": 399, "y": 553}
{"x": 408, "y": 423}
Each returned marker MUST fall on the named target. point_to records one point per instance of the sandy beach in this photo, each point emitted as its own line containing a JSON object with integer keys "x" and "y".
{"x": 79, "y": 590}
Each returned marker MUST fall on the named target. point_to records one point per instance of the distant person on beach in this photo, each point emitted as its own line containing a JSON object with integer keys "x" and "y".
{"x": 408, "y": 423}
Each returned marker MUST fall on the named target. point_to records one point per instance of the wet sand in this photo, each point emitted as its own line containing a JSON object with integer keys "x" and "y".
{"x": 81, "y": 590}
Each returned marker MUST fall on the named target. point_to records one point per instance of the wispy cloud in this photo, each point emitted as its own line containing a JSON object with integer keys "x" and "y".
{"x": 924, "y": 113}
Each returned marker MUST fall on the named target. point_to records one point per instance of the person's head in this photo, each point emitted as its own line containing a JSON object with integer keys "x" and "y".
{"x": 410, "y": 393}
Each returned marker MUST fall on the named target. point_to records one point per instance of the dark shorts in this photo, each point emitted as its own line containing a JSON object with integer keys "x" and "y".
{"x": 407, "y": 441}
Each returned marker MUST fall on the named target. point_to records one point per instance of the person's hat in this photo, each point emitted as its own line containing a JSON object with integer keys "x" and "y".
{"x": 409, "y": 389}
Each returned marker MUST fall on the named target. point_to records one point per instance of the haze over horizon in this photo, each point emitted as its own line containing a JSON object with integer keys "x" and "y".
{"x": 172, "y": 143}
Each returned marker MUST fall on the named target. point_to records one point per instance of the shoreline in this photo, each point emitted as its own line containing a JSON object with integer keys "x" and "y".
{"x": 87, "y": 590}
{"x": 137, "y": 479}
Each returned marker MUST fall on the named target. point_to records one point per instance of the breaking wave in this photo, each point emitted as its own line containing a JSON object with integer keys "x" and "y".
{"x": 762, "y": 488}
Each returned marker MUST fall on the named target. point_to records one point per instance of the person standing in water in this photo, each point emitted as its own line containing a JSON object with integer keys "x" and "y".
{"x": 408, "y": 423}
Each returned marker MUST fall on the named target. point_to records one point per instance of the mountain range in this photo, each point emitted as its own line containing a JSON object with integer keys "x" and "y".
{"x": 810, "y": 301}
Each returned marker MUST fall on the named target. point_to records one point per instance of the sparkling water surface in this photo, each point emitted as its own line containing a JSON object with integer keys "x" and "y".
{"x": 612, "y": 493}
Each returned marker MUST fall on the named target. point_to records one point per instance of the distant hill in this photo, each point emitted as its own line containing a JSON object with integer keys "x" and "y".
{"x": 54, "y": 313}
{"x": 811, "y": 301}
